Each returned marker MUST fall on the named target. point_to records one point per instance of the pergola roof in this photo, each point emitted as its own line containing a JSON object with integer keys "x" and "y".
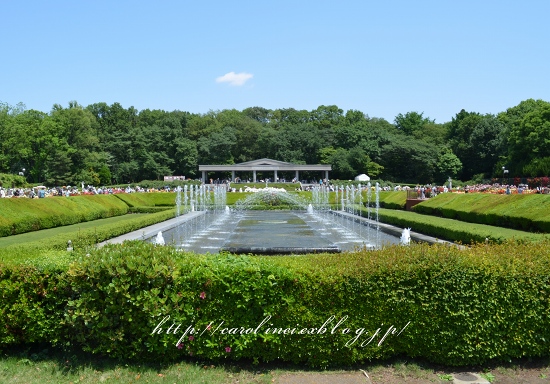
{"x": 266, "y": 165}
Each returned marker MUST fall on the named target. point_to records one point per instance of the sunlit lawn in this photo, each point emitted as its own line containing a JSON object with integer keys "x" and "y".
{"x": 69, "y": 230}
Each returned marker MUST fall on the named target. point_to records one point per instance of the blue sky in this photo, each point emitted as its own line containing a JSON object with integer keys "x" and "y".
{"x": 380, "y": 57}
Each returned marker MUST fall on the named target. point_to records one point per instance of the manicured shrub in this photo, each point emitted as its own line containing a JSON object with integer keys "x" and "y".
{"x": 150, "y": 199}
{"x": 148, "y": 209}
{"x": 530, "y": 212}
{"x": 20, "y": 215}
{"x": 125, "y": 291}
{"x": 33, "y": 303}
{"x": 439, "y": 303}
{"x": 393, "y": 199}
{"x": 82, "y": 238}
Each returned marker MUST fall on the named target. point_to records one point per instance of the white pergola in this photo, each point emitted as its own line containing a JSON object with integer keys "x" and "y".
{"x": 264, "y": 165}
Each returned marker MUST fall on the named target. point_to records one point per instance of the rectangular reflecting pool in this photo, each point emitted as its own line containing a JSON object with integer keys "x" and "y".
{"x": 274, "y": 232}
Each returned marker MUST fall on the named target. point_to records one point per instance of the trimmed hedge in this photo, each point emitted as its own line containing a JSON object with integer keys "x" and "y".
{"x": 150, "y": 199}
{"x": 148, "y": 209}
{"x": 529, "y": 212}
{"x": 453, "y": 230}
{"x": 489, "y": 302}
{"x": 20, "y": 215}
{"x": 393, "y": 199}
{"x": 82, "y": 238}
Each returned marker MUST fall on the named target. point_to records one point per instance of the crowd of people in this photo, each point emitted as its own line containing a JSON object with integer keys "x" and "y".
{"x": 421, "y": 191}
{"x": 427, "y": 191}
{"x": 41, "y": 191}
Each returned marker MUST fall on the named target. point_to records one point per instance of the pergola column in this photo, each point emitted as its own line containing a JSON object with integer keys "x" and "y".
{"x": 326, "y": 175}
{"x": 233, "y": 176}
{"x": 254, "y": 176}
{"x": 298, "y": 176}
{"x": 275, "y": 176}
{"x": 204, "y": 177}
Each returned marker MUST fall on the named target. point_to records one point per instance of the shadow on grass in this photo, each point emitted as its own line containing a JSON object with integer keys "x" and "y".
{"x": 72, "y": 362}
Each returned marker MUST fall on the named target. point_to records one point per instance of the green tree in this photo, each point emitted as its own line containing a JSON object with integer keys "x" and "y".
{"x": 478, "y": 141}
{"x": 186, "y": 159}
{"x": 116, "y": 129}
{"x": 409, "y": 160}
{"x": 411, "y": 122}
{"x": 339, "y": 159}
{"x": 78, "y": 128}
{"x": 261, "y": 115}
{"x": 529, "y": 136}
{"x": 104, "y": 175}
{"x": 217, "y": 148}
{"x": 447, "y": 165}
{"x": 59, "y": 164}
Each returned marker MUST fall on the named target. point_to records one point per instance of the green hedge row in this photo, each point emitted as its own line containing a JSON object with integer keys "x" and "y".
{"x": 160, "y": 184}
{"x": 453, "y": 230}
{"x": 529, "y": 212}
{"x": 393, "y": 199}
{"x": 82, "y": 238}
{"x": 148, "y": 209}
{"x": 149, "y": 199}
{"x": 25, "y": 215}
{"x": 147, "y": 302}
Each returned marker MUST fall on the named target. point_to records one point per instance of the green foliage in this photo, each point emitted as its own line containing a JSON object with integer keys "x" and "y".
{"x": 33, "y": 302}
{"x": 349, "y": 163}
{"x": 538, "y": 167}
{"x": 448, "y": 165}
{"x": 392, "y": 200}
{"x": 24, "y": 215}
{"x": 12, "y": 181}
{"x": 125, "y": 291}
{"x": 453, "y": 230}
{"x": 406, "y": 159}
{"x": 529, "y": 132}
{"x": 529, "y": 212}
{"x": 140, "y": 301}
{"x": 104, "y": 175}
{"x": 478, "y": 141}
{"x": 148, "y": 209}
{"x": 160, "y": 199}
{"x": 32, "y": 246}
{"x": 411, "y": 122}
{"x": 104, "y": 144}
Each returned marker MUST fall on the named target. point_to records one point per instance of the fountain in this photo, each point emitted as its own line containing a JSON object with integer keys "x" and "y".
{"x": 159, "y": 239}
{"x": 303, "y": 226}
{"x": 406, "y": 236}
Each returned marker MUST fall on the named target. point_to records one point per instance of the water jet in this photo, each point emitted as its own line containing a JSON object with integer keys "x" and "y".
{"x": 303, "y": 226}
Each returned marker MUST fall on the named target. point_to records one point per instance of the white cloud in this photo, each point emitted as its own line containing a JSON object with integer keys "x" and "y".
{"x": 234, "y": 78}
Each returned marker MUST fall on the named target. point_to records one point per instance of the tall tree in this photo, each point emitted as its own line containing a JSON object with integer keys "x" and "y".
{"x": 411, "y": 122}
{"x": 528, "y": 126}
{"x": 409, "y": 160}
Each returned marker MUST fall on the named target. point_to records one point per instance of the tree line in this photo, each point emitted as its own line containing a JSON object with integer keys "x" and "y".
{"x": 105, "y": 144}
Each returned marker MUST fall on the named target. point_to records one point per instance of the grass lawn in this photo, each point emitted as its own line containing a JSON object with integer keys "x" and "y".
{"x": 454, "y": 230}
{"x": 71, "y": 231}
{"x": 46, "y": 366}
{"x": 37, "y": 365}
